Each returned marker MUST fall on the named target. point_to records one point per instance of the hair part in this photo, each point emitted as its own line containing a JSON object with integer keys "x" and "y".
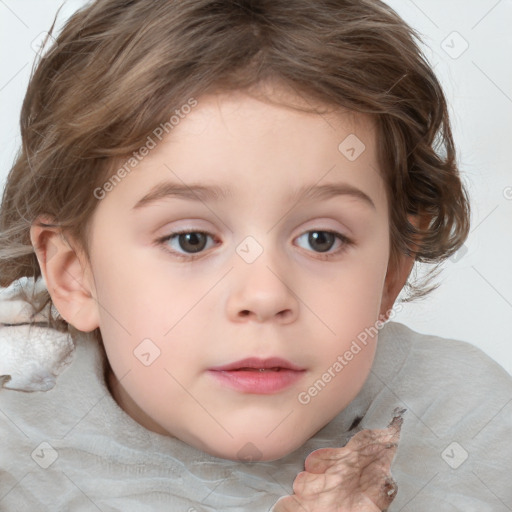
{"x": 120, "y": 68}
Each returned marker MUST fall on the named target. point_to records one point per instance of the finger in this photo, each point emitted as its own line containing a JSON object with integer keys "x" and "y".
{"x": 289, "y": 504}
{"x": 310, "y": 486}
{"x": 322, "y": 459}
{"x": 378, "y": 485}
{"x": 365, "y": 442}
{"x": 367, "y": 449}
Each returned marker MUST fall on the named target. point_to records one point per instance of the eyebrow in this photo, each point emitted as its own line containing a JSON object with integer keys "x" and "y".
{"x": 208, "y": 193}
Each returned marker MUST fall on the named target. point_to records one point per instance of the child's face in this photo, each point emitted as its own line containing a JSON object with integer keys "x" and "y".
{"x": 259, "y": 285}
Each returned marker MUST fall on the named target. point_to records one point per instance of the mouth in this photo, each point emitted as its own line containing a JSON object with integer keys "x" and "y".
{"x": 275, "y": 369}
{"x": 258, "y": 376}
{"x": 257, "y": 364}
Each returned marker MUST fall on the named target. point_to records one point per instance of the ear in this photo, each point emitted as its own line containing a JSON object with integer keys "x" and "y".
{"x": 397, "y": 277}
{"x": 67, "y": 275}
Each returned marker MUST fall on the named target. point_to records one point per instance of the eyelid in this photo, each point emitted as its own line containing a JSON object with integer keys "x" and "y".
{"x": 345, "y": 241}
{"x": 161, "y": 242}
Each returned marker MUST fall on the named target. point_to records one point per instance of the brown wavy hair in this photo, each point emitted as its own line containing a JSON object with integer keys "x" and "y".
{"x": 119, "y": 68}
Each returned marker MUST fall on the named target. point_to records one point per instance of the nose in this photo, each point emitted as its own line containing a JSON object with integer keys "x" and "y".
{"x": 260, "y": 292}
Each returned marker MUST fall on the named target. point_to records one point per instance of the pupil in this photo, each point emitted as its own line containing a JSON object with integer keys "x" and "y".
{"x": 322, "y": 239}
{"x": 192, "y": 242}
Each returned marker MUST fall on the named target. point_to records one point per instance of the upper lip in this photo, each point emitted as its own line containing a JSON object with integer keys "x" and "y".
{"x": 256, "y": 362}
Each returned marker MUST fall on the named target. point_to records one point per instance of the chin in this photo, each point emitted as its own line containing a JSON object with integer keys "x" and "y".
{"x": 251, "y": 436}
{"x": 258, "y": 450}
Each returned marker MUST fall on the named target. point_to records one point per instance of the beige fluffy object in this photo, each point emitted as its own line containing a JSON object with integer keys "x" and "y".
{"x": 32, "y": 355}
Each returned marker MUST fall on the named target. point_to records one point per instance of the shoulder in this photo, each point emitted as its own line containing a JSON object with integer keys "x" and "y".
{"x": 454, "y": 449}
{"x": 449, "y": 383}
{"x": 442, "y": 361}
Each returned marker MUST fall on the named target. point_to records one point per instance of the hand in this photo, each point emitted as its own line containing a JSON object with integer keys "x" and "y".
{"x": 355, "y": 478}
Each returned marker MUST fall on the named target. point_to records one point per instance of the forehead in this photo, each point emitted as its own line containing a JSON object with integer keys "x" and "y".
{"x": 261, "y": 144}
{"x": 264, "y": 110}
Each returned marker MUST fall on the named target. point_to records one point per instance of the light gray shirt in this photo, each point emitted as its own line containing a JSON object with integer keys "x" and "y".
{"x": 72, "y": 448}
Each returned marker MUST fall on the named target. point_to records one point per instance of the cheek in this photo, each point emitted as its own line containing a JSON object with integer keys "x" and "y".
{"x": 131, "y": 290}
{"x": 350, "y": 299}
{"x": 348, "y": 306}
{"x": 144, "y": 311}
{"x": 344, "y": 353}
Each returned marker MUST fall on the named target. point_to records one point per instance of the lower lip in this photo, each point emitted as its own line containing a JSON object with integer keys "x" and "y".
{"x": 263, "y": 383}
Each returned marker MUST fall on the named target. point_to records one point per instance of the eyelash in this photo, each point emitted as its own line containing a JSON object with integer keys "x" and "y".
{"x": 323, "y": 256}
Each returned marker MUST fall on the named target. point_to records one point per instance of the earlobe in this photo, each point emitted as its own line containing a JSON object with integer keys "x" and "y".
{"x": 67, "y": 276}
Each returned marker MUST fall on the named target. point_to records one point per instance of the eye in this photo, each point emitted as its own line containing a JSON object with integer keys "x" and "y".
{"x": 186, "y": 244}
{"x": 191, "y": 242}
{"x": 322, "y": 241}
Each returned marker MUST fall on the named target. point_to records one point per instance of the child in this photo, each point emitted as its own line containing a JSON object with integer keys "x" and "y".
{"x": 201, "y": 376}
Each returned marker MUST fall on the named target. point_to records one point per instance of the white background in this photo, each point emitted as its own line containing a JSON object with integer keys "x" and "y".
{"x": 474, "y": 302}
